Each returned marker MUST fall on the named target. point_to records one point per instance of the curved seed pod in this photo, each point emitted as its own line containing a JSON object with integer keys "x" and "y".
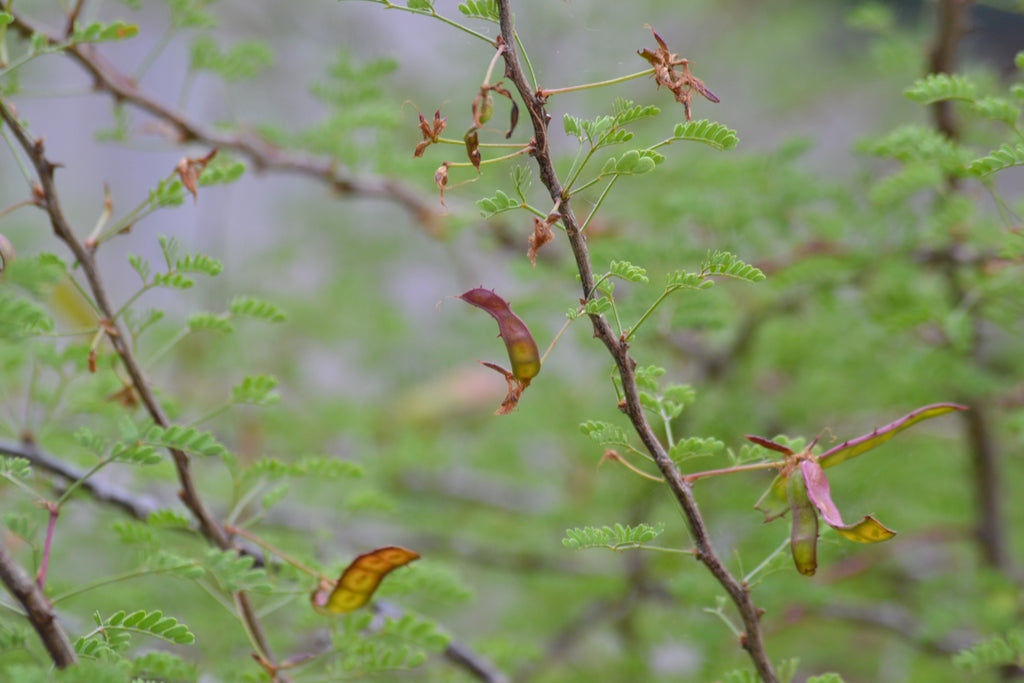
{"x": 360, "y": 579}
{"x": 472, "y": 140}
{"x": 483, "y": 107}
{"x": 867, "y": 530}
{"x": 522, "y": 349}
{"x": 804, "y": 537}
{"x": 854, "y": 447}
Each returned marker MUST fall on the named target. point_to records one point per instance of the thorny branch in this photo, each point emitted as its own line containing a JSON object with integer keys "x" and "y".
{"x": 262, "y": 154}
{"x": 86, "y": 261}
{"x": 752, "y": 640}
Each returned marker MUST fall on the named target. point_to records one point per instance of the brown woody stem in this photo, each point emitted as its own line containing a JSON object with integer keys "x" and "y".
{"x": 753, "y": 640}
{"x": 119, "y": 340}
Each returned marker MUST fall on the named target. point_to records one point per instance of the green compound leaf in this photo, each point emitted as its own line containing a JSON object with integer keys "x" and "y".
{"x": 913, "y": 143}
{"x": 725, "y": 264}
{"x": 619, "y": 537}
{"x": 480, "y": 9}
{"x": 188, "y": 439}
{"x": 1004, "y": 157}
{"x": 243, "y": 61}
{"x": 626, "y": 112}
{"x": 210, "y": 321}
{"x": 994, "y": 652}
{"x": 627, "y": 271}
{"x": 148, "y": 623}
{"x": 499, "y": 203}
{"x": 256, "y": 390}
{"x": 199, "y": 263}
{"x": 168, "y": 192}
{"x": 251, "y": 307}
{"x": 235, "y": 572}
{"x": 682, "y": 279}
{"x": 222, "y": 172}
{"x": 938, "y": 87}
{"x": 18, "y": 468}
{"x": 136, "y": 454}
{"x": 172, "y": 281}
{"x": 909, "y": 180}
{"x": 997, "y": 109}
{"x": 97, "y": 32}
{"x": 605, "y": 433}
{"x": 633, "y": 162}
{"x": 22, "y": 317}
{"x": 695, "y": 447}
{"x": 710, "y": 133}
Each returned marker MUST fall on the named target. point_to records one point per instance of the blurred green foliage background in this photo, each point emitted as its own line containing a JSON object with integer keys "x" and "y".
{"x": 883, "y": 294}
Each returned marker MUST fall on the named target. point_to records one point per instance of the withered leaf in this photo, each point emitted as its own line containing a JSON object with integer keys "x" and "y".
{"x": 682, "y": 83}
{"x": 431, "y": 132}
{"x": 441, "y": 179}
{"x": 542, "y": 234}
{"x": 189, "y": 171}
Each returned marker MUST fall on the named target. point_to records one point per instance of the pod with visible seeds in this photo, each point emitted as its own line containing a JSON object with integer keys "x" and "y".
{"x": 360, "y": 579}
{"x": 521, "y": 347}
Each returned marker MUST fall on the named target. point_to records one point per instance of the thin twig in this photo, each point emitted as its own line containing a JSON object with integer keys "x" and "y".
{"x": 119, "y": 340}
{"x": 262, "y": 154}
{"x": 138, "y": 507}
{"x": 753, "y": 640}
{"x": 457, "y": 652}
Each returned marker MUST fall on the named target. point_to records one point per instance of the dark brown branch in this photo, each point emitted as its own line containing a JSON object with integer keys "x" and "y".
{"x": 38, "y": 609}
{"x": 262, "y": 154}
{"x": 73, "y": 17}
{"x": 753, "y": 640}
{"x": 139, "y": 508}
{"x": 951, "y": 27}
{"x": 189, "y": 493}
{"x": 990, "y": 528}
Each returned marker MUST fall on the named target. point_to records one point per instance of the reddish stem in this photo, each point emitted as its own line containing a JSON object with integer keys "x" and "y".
{"x": 54, "y": 513}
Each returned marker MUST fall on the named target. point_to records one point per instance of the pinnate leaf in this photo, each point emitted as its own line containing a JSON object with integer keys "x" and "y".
{"x": 251, "y": 307}
{"x": 1004, "y": 157}
{"x": 938, "y": 87}
{"x": 710, "y": 133}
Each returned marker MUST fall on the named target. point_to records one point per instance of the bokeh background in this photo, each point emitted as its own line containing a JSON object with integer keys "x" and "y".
{"x": 377, "y": 363}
